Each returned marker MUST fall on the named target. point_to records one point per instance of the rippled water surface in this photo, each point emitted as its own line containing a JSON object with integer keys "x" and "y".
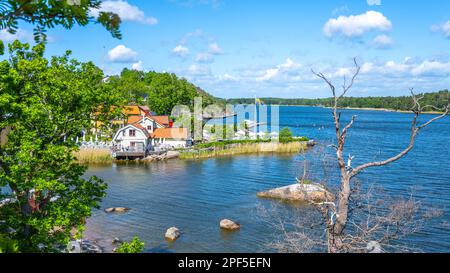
{"x": 195, "y": 195}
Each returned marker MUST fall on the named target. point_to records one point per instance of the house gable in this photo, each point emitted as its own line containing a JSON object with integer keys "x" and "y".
{"x": 124, "y": 133}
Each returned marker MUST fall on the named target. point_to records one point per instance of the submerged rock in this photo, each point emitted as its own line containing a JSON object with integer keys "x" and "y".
{"x": 172, "y": 234}
{"x": 161, "y": 157}
{"x": 229, "y": 225}
{"x": 83, "y": 246}
{"x": 299, "y": 192}
{"x": 374, "y": 247}
{"x": 118, "y": 209}
{"x": 116, "y": 241}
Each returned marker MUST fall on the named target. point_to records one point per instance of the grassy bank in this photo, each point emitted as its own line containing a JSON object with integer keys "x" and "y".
{"x": 218, "y": 149}
{"x": 93, "y": 156}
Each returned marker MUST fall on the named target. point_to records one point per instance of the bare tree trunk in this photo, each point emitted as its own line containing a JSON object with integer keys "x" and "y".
{"x": 336, "y": 227}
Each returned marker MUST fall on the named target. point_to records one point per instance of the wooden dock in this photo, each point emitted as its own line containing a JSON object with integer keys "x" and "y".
{"x": 129, "y": 153}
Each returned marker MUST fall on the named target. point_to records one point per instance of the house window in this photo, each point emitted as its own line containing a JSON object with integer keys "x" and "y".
{"x": 132, "y": 133}
{"x": 149, "y": 127}
{"x": 123, "y": 132}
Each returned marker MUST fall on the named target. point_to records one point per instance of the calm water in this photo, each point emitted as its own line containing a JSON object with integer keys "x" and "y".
{"x": 195, "y": 195}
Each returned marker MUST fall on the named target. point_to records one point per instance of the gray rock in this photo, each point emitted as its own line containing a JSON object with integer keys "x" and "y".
{"x": 229, "y": 225}
{"x": 173, "y": 234}
{"x": 83, "y": 246}
{"x": 374, "y": 247}
{"x": 299, "y": 192}
{"x": 116, "y": 241}
{"x": 118, "y": 209}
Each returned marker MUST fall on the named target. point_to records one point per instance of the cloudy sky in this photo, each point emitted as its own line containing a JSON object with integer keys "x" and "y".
{"x": 249, "y": 48}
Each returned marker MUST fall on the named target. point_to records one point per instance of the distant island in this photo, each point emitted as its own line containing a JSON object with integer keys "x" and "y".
{"x": 438, "y": 99}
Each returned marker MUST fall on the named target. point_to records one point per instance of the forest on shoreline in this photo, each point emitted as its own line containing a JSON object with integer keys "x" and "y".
{"x": 438, "y": 99}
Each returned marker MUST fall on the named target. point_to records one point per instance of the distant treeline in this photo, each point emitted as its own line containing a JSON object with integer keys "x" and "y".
{"x": 438, "y": 99}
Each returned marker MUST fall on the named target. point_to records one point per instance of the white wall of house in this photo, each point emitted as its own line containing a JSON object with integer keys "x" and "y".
{"x": 124, "y": 139}
{"x": 148, "y": 124}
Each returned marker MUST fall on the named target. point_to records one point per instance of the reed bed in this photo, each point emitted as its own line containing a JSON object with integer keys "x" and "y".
{"x": 93, "y": 156}
{"x": 246, "y": 148}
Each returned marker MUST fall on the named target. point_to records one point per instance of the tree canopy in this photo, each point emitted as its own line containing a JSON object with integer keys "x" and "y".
{"x": 160, "y": 91}
{"x": 47, "y": 104}
{"x": 46, "y": 14}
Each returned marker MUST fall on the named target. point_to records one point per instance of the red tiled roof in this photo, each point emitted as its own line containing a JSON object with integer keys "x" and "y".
{"x": 171, "y": 133}
{"x": 164, "y": 120}
{"x": 134, "y": 119}
{"x": 145, "y": 108}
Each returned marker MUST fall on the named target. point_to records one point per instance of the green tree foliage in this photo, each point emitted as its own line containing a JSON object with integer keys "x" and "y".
{"x": 46, "y": 104}
{"x": 46, "y": 14}
{"x": 8, "y": 245}
{"x": 438, "y": 99}
{"x": 286, "y": 135}
{"x": 160, "y": 91}
{"x": 135, "y": 246}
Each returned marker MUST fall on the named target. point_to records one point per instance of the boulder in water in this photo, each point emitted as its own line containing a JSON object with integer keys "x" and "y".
{"x": 229, "y": 225}
{"x": 118, "y": 209}
{"x": 172, "y": 234}
{"x": 299, "y": 193}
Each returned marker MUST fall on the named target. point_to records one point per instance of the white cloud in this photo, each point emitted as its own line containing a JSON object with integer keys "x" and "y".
{"x": 214, "y": 49}
{"x": 227, "y": 78}
{"x": 204, "y": 58}
{"x": 121, "y": 54}
{"x": 199, "y": 70}
{"x": 125, "y": 11}
{"x": 180, "y": 50}
{"x": 444, "y": 28}
{"x": 137, "y": 66}
{"x": 357, "y": 25}
{"x": 198, "y": 33}
{"x": 432, "y": 68}
{"x": 291, "y": 79}
{"x": 340, "y": 10}
{"x": 272, "y": 73}
{"x": 383, "y": 41}
{"x": 374, "y": 2}
{"x": 21, "y": 35}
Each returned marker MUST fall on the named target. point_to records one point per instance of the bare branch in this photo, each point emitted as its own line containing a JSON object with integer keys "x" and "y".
{"x": 414, "y": 131}
{"x": 356, "y": 73}
{"x": 322, "y": 76}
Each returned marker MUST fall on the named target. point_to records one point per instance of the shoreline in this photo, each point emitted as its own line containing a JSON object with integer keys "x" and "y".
{"x": 386, "y": 110}
{"x": 103, "y": 157}
{"x": 364, "y": 109}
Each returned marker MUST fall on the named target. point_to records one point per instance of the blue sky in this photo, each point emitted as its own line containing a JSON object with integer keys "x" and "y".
{"x": 263, "y": 48}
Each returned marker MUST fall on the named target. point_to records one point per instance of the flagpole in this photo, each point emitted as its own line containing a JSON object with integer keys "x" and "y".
{"x": 256, "y": 117}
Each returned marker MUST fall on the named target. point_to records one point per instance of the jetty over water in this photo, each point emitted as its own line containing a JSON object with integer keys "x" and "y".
{"x": 130, "y": 153}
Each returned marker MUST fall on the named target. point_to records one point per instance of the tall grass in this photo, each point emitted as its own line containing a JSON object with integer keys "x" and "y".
{"x": 245, "y": 148}
{"x": 93, "y": 156}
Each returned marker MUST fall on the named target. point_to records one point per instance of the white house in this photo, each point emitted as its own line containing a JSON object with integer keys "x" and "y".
{"x": 144, "y": 133}
{"x": 132, "y": 137}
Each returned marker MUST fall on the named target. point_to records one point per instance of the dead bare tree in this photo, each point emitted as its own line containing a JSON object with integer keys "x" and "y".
{"x": 336, "y": 214}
